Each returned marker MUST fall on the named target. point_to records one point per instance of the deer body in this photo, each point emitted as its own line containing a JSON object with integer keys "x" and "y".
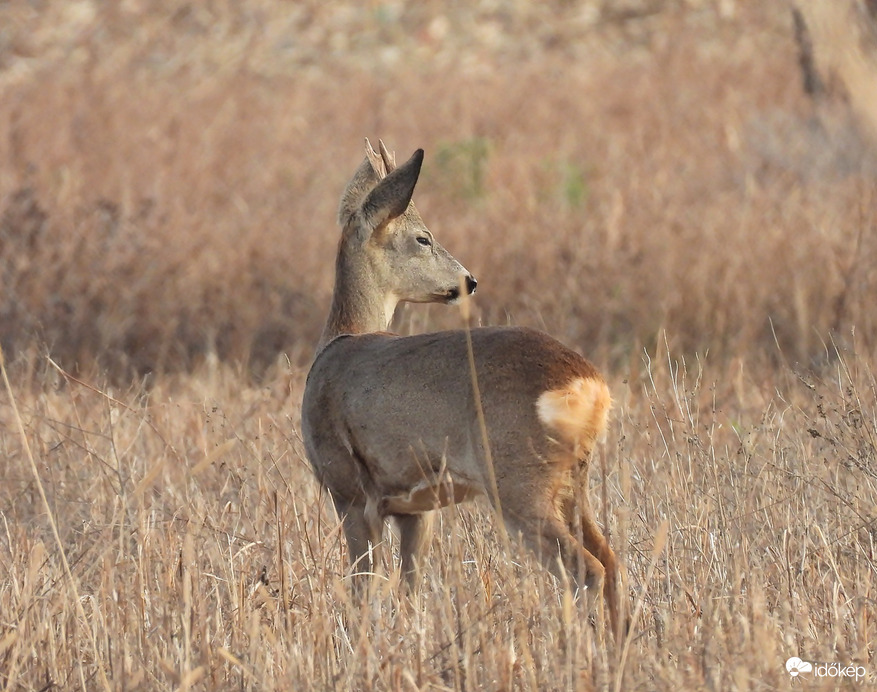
{"x": 390, "y": 423}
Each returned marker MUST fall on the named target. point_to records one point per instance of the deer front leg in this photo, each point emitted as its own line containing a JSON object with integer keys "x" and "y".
{"x": 414, "y": 531}
{"x": 362, "y": 529}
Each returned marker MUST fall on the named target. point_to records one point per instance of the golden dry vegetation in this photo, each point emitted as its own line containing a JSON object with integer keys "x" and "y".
{"x": 646, "y": 180}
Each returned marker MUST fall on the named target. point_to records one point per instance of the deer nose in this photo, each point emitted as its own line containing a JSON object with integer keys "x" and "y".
{"x": 471, "y": 283}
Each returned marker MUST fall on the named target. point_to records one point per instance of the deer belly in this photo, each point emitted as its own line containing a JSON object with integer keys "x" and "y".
{"x": 427, "y": 496}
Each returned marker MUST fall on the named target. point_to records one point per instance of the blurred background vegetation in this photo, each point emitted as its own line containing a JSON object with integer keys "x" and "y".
{"x": 611, "y": 171}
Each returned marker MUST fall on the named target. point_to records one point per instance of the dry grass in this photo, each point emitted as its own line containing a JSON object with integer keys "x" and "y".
{"x": 204, "y": 555}
{"x": 648, "y": 184}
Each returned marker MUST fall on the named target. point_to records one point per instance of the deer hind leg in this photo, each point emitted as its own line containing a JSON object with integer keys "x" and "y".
{"x": 362, "y": 529}
{"x": 415, "y": 531}
{"x": 549, "y": 538}
{"x": 595, "y": 543}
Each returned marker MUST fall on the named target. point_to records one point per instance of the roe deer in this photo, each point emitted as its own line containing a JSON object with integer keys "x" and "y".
{"x": 390, "y": 423}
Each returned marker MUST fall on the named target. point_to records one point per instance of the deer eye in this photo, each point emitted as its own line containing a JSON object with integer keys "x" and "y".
{"x": 423, "y": 240}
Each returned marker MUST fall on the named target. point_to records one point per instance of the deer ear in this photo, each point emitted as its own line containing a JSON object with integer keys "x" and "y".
{"x": 391, "y": 196}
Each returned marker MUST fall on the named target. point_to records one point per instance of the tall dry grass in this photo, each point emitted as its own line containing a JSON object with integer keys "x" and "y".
{"x": 205, "y": 557}
{"x": 644, "y": 180}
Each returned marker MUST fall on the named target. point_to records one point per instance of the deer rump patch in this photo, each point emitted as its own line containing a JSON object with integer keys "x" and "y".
{"x": 576, "y": 412}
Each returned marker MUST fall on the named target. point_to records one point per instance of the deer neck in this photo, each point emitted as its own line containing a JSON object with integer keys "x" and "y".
{"x": 359, "y": 304}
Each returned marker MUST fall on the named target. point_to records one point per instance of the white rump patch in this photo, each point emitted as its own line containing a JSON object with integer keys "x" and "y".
{"x": 577, "y": 412}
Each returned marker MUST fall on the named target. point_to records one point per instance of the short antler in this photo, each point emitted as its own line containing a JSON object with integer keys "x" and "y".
{"x": 388, "y": 157}
{"x": 383, "y": 163}
{"x": 375, "y": 159}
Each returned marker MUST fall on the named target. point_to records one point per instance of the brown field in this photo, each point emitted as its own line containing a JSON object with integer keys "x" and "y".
{"x": 645, "y": 180}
